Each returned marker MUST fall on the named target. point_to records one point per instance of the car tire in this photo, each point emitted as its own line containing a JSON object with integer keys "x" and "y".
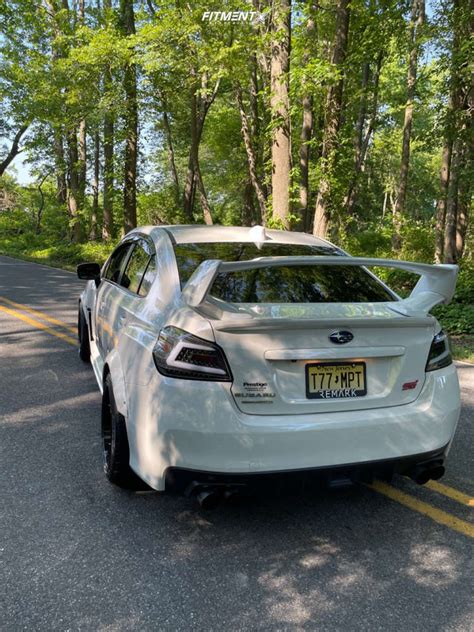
{"x": 115, "y": 449}
{"x": 83, "y": 335}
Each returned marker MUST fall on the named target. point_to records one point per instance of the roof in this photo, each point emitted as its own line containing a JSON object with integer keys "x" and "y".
{"x": 200, "y": 233}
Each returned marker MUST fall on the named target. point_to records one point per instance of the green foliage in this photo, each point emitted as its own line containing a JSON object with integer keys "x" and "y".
{"x": 57, "y": 70}
{"x": 458, "y": 317}
{"x": 61, "y": 254}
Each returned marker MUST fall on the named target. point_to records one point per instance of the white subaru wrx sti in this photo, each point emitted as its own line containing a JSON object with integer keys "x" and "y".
{"x": 232, "y": 355}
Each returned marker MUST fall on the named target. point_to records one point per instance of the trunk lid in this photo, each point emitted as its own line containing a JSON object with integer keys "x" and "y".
{"x": 269, "y": 354}
{"x": 288, "y": 357}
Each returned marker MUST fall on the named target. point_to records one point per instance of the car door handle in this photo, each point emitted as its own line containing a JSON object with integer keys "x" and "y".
{"x": 122, "y": 320}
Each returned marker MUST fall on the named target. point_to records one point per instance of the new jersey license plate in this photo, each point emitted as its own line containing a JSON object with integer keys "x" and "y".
{"x": 335, "y": 380}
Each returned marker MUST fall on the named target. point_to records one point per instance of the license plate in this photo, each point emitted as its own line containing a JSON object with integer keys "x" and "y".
{"x": 335, "y": 380}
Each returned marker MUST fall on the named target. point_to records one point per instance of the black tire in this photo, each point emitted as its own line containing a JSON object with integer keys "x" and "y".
{"x": 83, "y": 335}
{"x": 115, "y": 450}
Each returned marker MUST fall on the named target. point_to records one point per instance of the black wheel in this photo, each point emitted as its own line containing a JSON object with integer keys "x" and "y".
{"x": 115, "y": 450}
{"x": 83, "y": 335}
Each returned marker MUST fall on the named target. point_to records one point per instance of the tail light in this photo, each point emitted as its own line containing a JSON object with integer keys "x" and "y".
{"x": 440, "y": 355}
{"x": 178, "y": 353}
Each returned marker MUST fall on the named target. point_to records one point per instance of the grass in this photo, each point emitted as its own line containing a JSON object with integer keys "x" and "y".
{"x": 61, "y": 255}
{"x": 462, "y": 348}
{"x": 66, "y": 256}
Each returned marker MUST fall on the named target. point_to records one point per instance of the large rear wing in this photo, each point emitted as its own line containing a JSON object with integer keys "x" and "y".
{"x": 436, "y": 284}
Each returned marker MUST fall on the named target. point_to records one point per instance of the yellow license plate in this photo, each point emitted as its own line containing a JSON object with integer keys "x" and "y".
{"x": 335, "y": 380}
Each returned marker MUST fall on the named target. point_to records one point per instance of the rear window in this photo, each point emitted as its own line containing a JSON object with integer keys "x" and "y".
{"x": 285, "y": 284}
{"x": 300, "y": 284}
{"x": 190, "y": 256}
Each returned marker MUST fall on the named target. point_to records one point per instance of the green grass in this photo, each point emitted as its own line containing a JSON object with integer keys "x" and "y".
{"x": 61, "y": 255}
{"x": 462, "y": 348}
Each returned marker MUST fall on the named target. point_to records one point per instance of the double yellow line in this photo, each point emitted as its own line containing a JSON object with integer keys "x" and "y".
{"x": 13, "y": 310}
{"x": 437, "y": 515}
{"x": 20, "y": 311}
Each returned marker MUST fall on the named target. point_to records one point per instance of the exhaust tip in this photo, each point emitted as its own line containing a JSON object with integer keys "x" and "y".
{"x": 208, "y": 499}
{"x": 424, "y": 473}
{"x": 437, "y": 472}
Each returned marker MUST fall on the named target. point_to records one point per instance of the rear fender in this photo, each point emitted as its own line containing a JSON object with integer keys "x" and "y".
{"x": 120, "y": 392}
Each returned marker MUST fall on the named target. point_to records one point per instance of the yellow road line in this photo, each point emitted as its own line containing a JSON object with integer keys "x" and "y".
{"x": 38, "y": 325}
{"x": 450, "y": 492}
{"x": 441, "y": 517}
{"x": 38, "y": 314}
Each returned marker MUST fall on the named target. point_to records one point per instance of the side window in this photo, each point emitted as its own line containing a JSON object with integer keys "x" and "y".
{"x": 148, "y": 277}
{"x": 116, "y": 263}
{"x": 138, "y": 270}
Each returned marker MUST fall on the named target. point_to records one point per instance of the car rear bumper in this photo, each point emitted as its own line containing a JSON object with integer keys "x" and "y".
{"x": 189, "y": 481}
{"x": 197, "y": 427}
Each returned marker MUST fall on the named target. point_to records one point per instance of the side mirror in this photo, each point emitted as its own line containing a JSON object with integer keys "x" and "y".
{"x": 89, "y": 272}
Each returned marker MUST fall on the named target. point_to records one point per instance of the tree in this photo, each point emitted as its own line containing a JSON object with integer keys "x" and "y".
{"x": 251, "y": 158}
{"x": 323, "y": 211}
{"x": 130, "y": 124}
{"x": 108, "y": 140}
{"x": 416, "y": 24}
{"x": 280, "y": 106}
{"x": 14, "y": 150}
{"x": 456, "y": 173}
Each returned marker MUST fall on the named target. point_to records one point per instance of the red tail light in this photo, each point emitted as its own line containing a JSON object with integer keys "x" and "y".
{"x": 178, "y": 353}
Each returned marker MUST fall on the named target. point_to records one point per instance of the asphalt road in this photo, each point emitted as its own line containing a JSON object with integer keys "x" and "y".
{"x": 79, "y": 554}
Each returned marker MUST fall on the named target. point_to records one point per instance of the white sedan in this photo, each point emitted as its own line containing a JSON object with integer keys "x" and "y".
{"x": 228, "y": 356}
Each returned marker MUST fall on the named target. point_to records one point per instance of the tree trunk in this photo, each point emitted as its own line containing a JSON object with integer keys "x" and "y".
{"x": 82, "y": 144}
{"x": 39, "y": 214}
{"x": 171, "y": 158}
{"x": 108, "y": 203}
{"x": 95, "y": 188}
{"x": 306, "y": 133}
{"x": 332, "y": 121}
{"x": 280, "y": 106}
{"x": 457, "y": 160}
{"x": 61, "y": 185}
{"x": 307, "y": 126}
{"x": 248, "y": 207}
{"x": 442, "y": 201}
{"x": 363, "y": 140}
{"x": 82, "y": 161}
{"x": 450, "y": 254}
{"x": 255, "y": 130}
{"x": 462, "y": 217}
{"x": 131, "y": 126}
{"x": 188, "y": 193}
{"x": 108, "y": 144}
{"x": 251, "y": 159}
{"x": 73, "y": 187}
{"x": 14, "y": 150}
{"x": 206, "y": 209}
{"x": 416, "y": 23}
{"x": 362, "y": 115}
{"x": 199, "y": 107}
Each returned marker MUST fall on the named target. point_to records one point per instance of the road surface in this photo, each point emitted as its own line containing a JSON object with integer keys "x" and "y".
{"x": 78, "y": 554}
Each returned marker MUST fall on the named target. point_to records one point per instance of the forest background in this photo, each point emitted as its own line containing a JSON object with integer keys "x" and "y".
{"x": 348, "y": 119}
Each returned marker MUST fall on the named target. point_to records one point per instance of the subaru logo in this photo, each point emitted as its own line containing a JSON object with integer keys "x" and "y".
{"x": 341, "y": 337}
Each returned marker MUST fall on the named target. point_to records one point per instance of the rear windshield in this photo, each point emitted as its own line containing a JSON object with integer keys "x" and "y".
{"x": 285, "y": 284}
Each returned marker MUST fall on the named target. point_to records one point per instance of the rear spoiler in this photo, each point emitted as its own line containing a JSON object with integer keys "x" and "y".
{"x": 436, "y": 284}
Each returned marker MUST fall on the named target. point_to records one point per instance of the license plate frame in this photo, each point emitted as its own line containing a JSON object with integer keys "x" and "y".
{"x": 322, "y": 394}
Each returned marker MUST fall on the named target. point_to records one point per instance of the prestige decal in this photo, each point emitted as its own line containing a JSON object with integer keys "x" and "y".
{"x": 255, "y": 393}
